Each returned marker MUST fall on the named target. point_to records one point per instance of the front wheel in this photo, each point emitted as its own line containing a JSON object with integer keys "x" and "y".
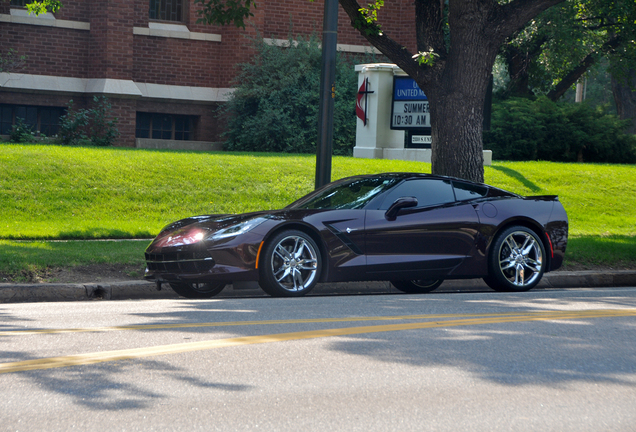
{"x": 196, "y": 290}
{"x": 291, "y": 264}
{"x": 418, "y": 286}
{"x": 516, "y": 261}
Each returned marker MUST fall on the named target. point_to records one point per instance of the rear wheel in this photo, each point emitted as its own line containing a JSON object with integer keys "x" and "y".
{"x": 516, "y": 261}
{"x": 418, "y": 286}
{"x": 291, "y": 264}
{"x": 196, "y": 290}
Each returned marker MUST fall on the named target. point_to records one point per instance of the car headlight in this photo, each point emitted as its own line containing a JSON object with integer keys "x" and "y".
{"x": 184, "y": 236}
{"x": 238, "y": 229}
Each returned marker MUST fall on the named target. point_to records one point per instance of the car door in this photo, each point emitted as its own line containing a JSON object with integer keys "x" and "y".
{"x": 427, "y": 240}
{"x": 344, "y": 240}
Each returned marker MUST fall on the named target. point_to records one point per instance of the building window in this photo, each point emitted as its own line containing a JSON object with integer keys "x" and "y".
{"x": 164, "y": 126}
{"x": 6, "y": 120}
{"x": 20, "y": 2}
{"x": 42, "y": 120}
{"x": 166, "y": 10}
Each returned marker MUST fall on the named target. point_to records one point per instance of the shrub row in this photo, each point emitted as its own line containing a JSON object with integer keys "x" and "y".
{"x": 524, "y": 129}
{"x": 92, "y": 126}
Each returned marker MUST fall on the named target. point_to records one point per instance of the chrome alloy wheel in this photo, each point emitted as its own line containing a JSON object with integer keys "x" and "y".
{"x": 294, "y": 263}
{"x": 521, "y": 259}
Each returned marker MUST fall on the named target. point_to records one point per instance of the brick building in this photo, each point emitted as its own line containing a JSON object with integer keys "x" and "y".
{"x": 163, "y": 73}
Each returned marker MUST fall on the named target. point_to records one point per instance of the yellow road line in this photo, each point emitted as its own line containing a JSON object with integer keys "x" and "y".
{"x": 234, "y": 323}
{"x": 143, "y": 327}
{"x": 99, "y": 357}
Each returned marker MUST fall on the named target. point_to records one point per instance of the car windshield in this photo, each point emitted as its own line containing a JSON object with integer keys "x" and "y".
{"x": 352, "y": 193}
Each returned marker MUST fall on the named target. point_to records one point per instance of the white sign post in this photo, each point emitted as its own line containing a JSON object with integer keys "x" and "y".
{"x": 376, "y": 135}
{"x": 387, "y": 117}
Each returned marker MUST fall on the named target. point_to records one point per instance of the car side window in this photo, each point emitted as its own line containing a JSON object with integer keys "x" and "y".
{"x": 354, "y": 194}
{"x": 427, "y": 191}
{"x": 468, "y": 191}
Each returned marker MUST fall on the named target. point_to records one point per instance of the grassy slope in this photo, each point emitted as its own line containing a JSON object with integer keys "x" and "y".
{"x": 53, "y": 192}
{"x": 50, "y": 192}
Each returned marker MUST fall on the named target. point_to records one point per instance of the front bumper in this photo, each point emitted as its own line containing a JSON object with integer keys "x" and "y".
{"x": 198, "y": 263}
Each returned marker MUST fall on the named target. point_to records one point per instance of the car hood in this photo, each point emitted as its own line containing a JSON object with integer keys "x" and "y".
{"x": 212, "y": 222}
{"x": 193, "y": 229}
{"x": 216, "y": 222}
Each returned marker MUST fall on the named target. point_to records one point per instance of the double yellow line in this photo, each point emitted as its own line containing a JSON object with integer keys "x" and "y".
{"x": 433, "y": 321}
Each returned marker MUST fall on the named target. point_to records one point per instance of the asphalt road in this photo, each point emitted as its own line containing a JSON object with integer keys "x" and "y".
{"x": 550, "y": 360}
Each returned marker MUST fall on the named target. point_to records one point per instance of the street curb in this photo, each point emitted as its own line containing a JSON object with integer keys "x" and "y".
{"x": 123, "y": 290}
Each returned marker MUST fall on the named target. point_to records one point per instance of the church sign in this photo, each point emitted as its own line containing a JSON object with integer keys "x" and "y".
{"x": 410, "y": 108}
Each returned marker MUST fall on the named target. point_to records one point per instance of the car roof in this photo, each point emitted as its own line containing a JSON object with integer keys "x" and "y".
{"x": 412, "y": 175}
{"x": 406, "y": 175}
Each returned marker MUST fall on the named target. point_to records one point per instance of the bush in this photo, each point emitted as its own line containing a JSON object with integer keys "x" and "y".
{"x": 523, "y": 129}
{"x": 21, "y": 132}
{"x": 89, "y": 126}
{"x": 274, "y": 107}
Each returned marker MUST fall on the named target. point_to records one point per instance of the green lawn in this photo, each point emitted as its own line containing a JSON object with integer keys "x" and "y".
{"x": 55, "y": 192}
{"x": 23, "y": 260}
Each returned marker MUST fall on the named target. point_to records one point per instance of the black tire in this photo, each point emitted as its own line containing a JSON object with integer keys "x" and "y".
{"x": 418, "y": 286}
{"x": 290, "y": 265}
{"x": 197, "y": 290}
{"x": 516, "y": 261}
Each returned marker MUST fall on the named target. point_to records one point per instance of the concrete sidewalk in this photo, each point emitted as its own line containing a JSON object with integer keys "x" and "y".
{"x": 122, "y": 290}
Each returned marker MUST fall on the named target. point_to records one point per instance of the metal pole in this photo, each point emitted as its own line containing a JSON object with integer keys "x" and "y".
{"x": 327, "y": 93}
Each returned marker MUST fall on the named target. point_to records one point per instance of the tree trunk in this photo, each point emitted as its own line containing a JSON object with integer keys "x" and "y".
{"x": 457, "y": 145}
{"x": 571, "y": 78}
{"x": 624, "y": 90}
{"x": 519, "y": 62}
{"x": 457, "y": 108}
{"x": 455, "y": 70}
{"x": 519, "y": 79}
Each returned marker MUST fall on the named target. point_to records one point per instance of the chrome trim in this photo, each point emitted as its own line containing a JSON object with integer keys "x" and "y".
{"x": 180, "y": 261}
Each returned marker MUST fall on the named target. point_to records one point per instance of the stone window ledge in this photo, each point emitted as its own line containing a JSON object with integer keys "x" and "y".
{"x": 174, "y": 31}
{"x": 114, "y": 87}
{"x": 359, "y": 49}
{"x": 47, "y": 20}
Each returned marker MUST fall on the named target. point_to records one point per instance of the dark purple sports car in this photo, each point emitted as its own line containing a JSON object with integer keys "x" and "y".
{"x": 414, "y": 230}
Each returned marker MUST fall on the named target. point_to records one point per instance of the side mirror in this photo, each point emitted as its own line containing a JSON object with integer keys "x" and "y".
{"x": 399, "y": 204}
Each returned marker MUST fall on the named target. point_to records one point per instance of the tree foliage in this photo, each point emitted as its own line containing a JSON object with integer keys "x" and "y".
{"x": 38, "y": 7}
{"x": 553, "y": 51}
{"x": 274, "y": 107}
